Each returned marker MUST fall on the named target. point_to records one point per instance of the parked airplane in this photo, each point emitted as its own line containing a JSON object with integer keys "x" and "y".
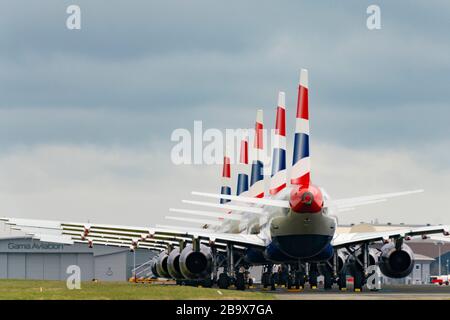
{"x": 295, "y": 226}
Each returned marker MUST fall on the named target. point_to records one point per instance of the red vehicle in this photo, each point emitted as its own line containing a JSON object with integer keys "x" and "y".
{"x": 440, "y": 280}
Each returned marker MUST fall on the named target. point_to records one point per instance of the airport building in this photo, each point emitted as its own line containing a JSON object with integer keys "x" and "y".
{"x": 25, "y": 258}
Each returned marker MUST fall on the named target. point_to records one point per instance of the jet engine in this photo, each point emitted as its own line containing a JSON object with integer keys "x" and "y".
{"x": 153, "y": 267}
{"x": 173, "y": 264}
{"x": 396, "y": 262}
{"x": 161, "y": 265}
{"x": 342, "y": 257}
{"x": 195, "y": 264}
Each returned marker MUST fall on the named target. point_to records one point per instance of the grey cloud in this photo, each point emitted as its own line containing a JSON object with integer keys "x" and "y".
{"x": 185, "y": 53}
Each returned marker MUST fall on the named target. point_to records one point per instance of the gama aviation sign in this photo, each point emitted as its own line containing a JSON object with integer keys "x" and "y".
{"x": 35, "y": 246}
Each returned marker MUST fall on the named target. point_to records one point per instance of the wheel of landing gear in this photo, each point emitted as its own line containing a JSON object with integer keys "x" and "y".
{"x": 299, "y": 280}
{"x": 265, "y": 279}
{"x": 342, "y": 281}
{"x": 289, "y": 283}
{"x": 240, "y": 281}
{"x": 250, "y": 282}
{"x": 313, "y": 279}
{"x": 297, "y": 283}
{"x": 358, "y": 280}
{"x": 224, "y": 281}
{"x": 276, "y": 278}
{"x": 272, "y": 281}
{"x": 327, "y": 281}
{"x": 283, "y": 278}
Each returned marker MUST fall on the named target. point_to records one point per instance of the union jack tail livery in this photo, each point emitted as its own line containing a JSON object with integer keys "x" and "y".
{"x": 301, "y": 165}
{"x": 242, "y": 183}
{"x": 226, "y": 179}
{"x": 257, "y": 177}
{"x": 278, "y": 177}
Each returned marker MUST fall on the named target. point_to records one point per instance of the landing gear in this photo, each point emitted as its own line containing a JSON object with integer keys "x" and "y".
{"x": 241, "y": 277}
{"x": 312, "y": 279}
{"x": 327, "y": 269}
{"x": 296, "y": 278}
{"x": 283, "y": 275}
{"x": 273, "y": 279}
{"x": 358, "y": 280}
{"x": 312, "y": 276}
{"x": 342, "y": 281}
{"x": 265, "y": 279}
{"x": 300, "y": 279}
{"x": 250, "y": 282}
{"x": 290, "y": 282}
{"x": 360, "y": 262}
{"x": 240, "y": 281}
{"x": 328, "y": 281}
{"x": 224, "y": 281}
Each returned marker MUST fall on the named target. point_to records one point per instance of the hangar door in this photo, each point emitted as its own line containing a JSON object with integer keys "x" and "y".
{"x": 47, "y": 266}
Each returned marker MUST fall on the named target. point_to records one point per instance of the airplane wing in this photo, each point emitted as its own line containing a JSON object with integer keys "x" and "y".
{"x": 348, "y": 239}
{"x": 126, "y": 236}
{"x": 349, "y": 203}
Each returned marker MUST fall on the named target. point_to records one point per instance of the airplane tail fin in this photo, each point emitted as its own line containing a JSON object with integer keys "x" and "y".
{"x": 226, "y": 179}
{"x": 278, "y": 176}
{"x": 301, "y": 166}
{"x": 242, "y": 183}
{"x": 257, "y": 175}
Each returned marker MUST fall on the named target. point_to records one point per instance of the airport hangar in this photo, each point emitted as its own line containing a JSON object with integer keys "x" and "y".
{"x": 22, "y": 257}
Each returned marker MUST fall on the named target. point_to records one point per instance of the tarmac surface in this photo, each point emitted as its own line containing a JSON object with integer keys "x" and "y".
{"x": 387, "y": 292}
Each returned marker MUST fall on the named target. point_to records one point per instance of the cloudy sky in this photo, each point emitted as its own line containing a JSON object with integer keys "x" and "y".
{"x": 86, "y": 115}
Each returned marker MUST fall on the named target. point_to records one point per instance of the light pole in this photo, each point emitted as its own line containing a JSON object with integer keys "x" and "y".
{"x": 439, "y": 244}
